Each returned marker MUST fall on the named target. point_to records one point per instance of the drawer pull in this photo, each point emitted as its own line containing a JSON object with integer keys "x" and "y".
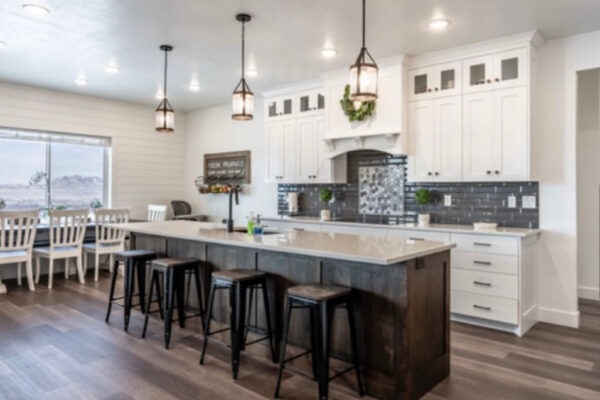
{"x": 298, "y": 229}
{"x": 482, "y": 283}
{"x": 482, "y": 244}
{"x": 477, "y": 306}
{"x": 482, "y": 262}
{"x": 415, "y": 238}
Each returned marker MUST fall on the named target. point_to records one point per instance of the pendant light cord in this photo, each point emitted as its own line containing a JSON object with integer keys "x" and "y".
{"x": 165, "y": 77}
{"x": 363, "y": 23}
{"x": 243, "y": 48}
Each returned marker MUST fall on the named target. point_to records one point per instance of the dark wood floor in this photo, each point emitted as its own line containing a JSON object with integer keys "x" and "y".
{"x": 55, "y": 345}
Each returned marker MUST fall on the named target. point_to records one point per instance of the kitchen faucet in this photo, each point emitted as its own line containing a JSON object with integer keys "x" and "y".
{"x": 233, "y": 190}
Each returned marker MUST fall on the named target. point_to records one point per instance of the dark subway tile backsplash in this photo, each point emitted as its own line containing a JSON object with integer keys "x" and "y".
{"x": 471, "y": 201}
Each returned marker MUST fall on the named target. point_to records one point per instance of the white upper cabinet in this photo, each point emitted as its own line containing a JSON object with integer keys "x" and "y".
{"x": 496, "y": 136}
{"x": 496, "y": 71}
{"x": 281, "y": 107}
{"x": 435, "y": 130}
{"x": 281, "y": 144}
{"x": 310, "y": 102}
{"x": 435, "y": 81}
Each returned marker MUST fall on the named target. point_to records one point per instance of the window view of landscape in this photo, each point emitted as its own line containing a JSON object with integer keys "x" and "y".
{"x": 76, "y": 176}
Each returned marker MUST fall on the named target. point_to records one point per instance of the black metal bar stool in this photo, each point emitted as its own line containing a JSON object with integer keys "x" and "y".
{"x": 321, "y": 301}
{"x": 239, "y": 282}
{"x": 173, "y": 271}
{"x": 135, "y": 263}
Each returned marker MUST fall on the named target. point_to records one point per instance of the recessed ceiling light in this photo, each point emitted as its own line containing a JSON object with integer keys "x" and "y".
{"x": 36, "y": 10}
{"x": 194, "y": 87}
{"x": 159, "y": 95}
{"x": 2, "y": 44}
{"x": 328, "y": 52}
{"x": 81, "y": 81}
{"x": 112, "y": 69}
{"x": 438, "y": 24}
{"x": 251, "y": 72}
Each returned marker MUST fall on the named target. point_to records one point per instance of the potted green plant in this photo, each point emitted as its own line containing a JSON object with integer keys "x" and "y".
{"x": 325, "y": 195}
{"x": 422, "y": 198}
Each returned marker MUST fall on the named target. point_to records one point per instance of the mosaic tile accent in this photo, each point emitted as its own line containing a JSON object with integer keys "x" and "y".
{"x": 381, "y": 189}
{"x": 471, "y": 201}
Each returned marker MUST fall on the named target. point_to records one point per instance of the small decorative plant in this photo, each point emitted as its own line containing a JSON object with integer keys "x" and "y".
{"x": 422, "y": 198}
{"x": 325, "y": 195}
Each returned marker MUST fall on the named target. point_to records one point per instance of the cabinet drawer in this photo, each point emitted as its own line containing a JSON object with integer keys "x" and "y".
{"x": 299, "y": 226}
{"x": 486, "y": 244}
{"x": 488, "y": 307}
{"x": 487, "y": 283}
{"x": 419, "y": 235}
{"x": 353, "y": 230}
{"x": 485, "y": 262}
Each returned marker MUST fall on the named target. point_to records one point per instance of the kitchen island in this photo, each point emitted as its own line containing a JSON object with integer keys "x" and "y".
{"x": 401, "y": 286}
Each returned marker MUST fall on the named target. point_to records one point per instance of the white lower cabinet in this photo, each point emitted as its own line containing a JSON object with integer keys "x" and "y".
{"x": 353, "y": 230}
{"x": 493, "y": 281}
{"x": 419, "y": 235}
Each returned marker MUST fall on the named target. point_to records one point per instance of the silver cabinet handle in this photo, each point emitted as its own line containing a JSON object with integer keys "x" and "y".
{"x": 487, "y": 284}
{"x": 482, "y": 262}
{"x": 482, "y": 244}
{"x": 481, "y": 307}
{"x": 298, "y": 229}
{"x": 416, "y": 238}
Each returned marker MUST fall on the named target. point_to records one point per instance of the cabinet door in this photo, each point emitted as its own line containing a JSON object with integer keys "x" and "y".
{"x": 511, "y": 131}
{"x": 308, "y": 144}
{"x": 477, "y": 73}
{"x": 478, "y": 137}
{"x": 510, "y": 68}
{"x": 274, "y": 139}
{"x": 311, "y": 102}
{"x": 290, "y": 150}
{"x": 448, "y": 139}
{"x": 422, "y": 136}
{"x": 448, "y": 79}
{"x": 420, "y": 85}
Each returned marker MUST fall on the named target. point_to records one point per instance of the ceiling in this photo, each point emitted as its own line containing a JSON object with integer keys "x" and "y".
{"x": 284, "y": 39}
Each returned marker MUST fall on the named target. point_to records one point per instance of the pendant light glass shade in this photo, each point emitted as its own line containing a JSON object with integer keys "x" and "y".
{"x": 164, "y": 120}
{"x": 364, "y": 72}
{"x": 242, "y": 102}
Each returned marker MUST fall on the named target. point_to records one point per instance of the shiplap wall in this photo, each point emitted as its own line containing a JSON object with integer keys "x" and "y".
{"x": 147, "y": 166}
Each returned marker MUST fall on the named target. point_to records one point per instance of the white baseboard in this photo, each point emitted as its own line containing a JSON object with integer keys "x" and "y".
{"x": 559, "y": 317}
{"x": 587, "y": 292}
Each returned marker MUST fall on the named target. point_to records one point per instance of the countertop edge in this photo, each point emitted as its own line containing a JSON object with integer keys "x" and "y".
{"x": 465, "y": 229}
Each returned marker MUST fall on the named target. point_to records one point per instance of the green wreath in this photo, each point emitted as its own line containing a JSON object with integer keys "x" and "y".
{"x": 356, "y": 114}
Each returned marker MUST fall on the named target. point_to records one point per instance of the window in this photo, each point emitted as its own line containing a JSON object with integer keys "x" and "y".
{"x": 50, "y": 170}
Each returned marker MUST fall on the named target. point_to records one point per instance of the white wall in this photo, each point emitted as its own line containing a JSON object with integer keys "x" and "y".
{"x": 212, "y": 130}
{"x": 588, "y": 183}
{"x": 559, "y": 61}
{"x": 147, "y": 166}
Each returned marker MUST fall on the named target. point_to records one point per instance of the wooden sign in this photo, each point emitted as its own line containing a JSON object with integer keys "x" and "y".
{"x": 227, "y": 168}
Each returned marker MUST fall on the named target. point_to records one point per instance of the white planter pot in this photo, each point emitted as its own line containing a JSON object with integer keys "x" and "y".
{"x": 423, "y": 219}
{"x": 325, "y": 215}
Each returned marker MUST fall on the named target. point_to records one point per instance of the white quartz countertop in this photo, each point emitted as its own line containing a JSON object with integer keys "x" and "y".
{"x": 349, "y": 247}
{"x": 501, "y": 231}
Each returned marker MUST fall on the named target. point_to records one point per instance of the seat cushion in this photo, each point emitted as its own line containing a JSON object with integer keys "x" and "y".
{"x": 12, "y": 254}
{"x": 135, "y": 254}
{"x": 46, "y": 250}
{"x": 236, "y": 275}
{"x": 318, "y": 292}
{"x": 169, "y": 262}
{"x": 92, "y": 247}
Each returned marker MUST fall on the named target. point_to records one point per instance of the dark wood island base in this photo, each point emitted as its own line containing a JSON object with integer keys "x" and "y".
{"x": 402, "y": 309}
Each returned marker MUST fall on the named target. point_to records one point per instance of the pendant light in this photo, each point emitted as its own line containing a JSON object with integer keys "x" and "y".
{"x": 165, "y": 116}
{"x": 363, "y": 73}
{"x": 243, "y": 98}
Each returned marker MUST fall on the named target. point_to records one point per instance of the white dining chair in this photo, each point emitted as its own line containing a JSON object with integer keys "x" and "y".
{"x": 17, "y": 234}
{"x": 108, "y": 240}
{"x": 67, "y": 230}
{"x": 157, "y": 213}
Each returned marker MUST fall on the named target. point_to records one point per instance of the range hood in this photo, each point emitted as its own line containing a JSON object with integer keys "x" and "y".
{"x": 385, "y": 130}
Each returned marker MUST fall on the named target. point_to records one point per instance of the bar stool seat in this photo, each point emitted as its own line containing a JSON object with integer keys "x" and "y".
{"x": 173, "y": 271}
{"x": 321, "y": 301}
{"x": 318, "y": 292}
{"x": 237, "y": 275}
{"x": 134, "y": 263}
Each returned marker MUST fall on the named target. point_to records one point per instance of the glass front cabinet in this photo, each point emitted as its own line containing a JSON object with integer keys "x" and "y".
{"x": 310, "y": 102}
{"x": 279, "y": 108}
{"x": 435, "y": 81}
{"x": 495, "y": 71}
